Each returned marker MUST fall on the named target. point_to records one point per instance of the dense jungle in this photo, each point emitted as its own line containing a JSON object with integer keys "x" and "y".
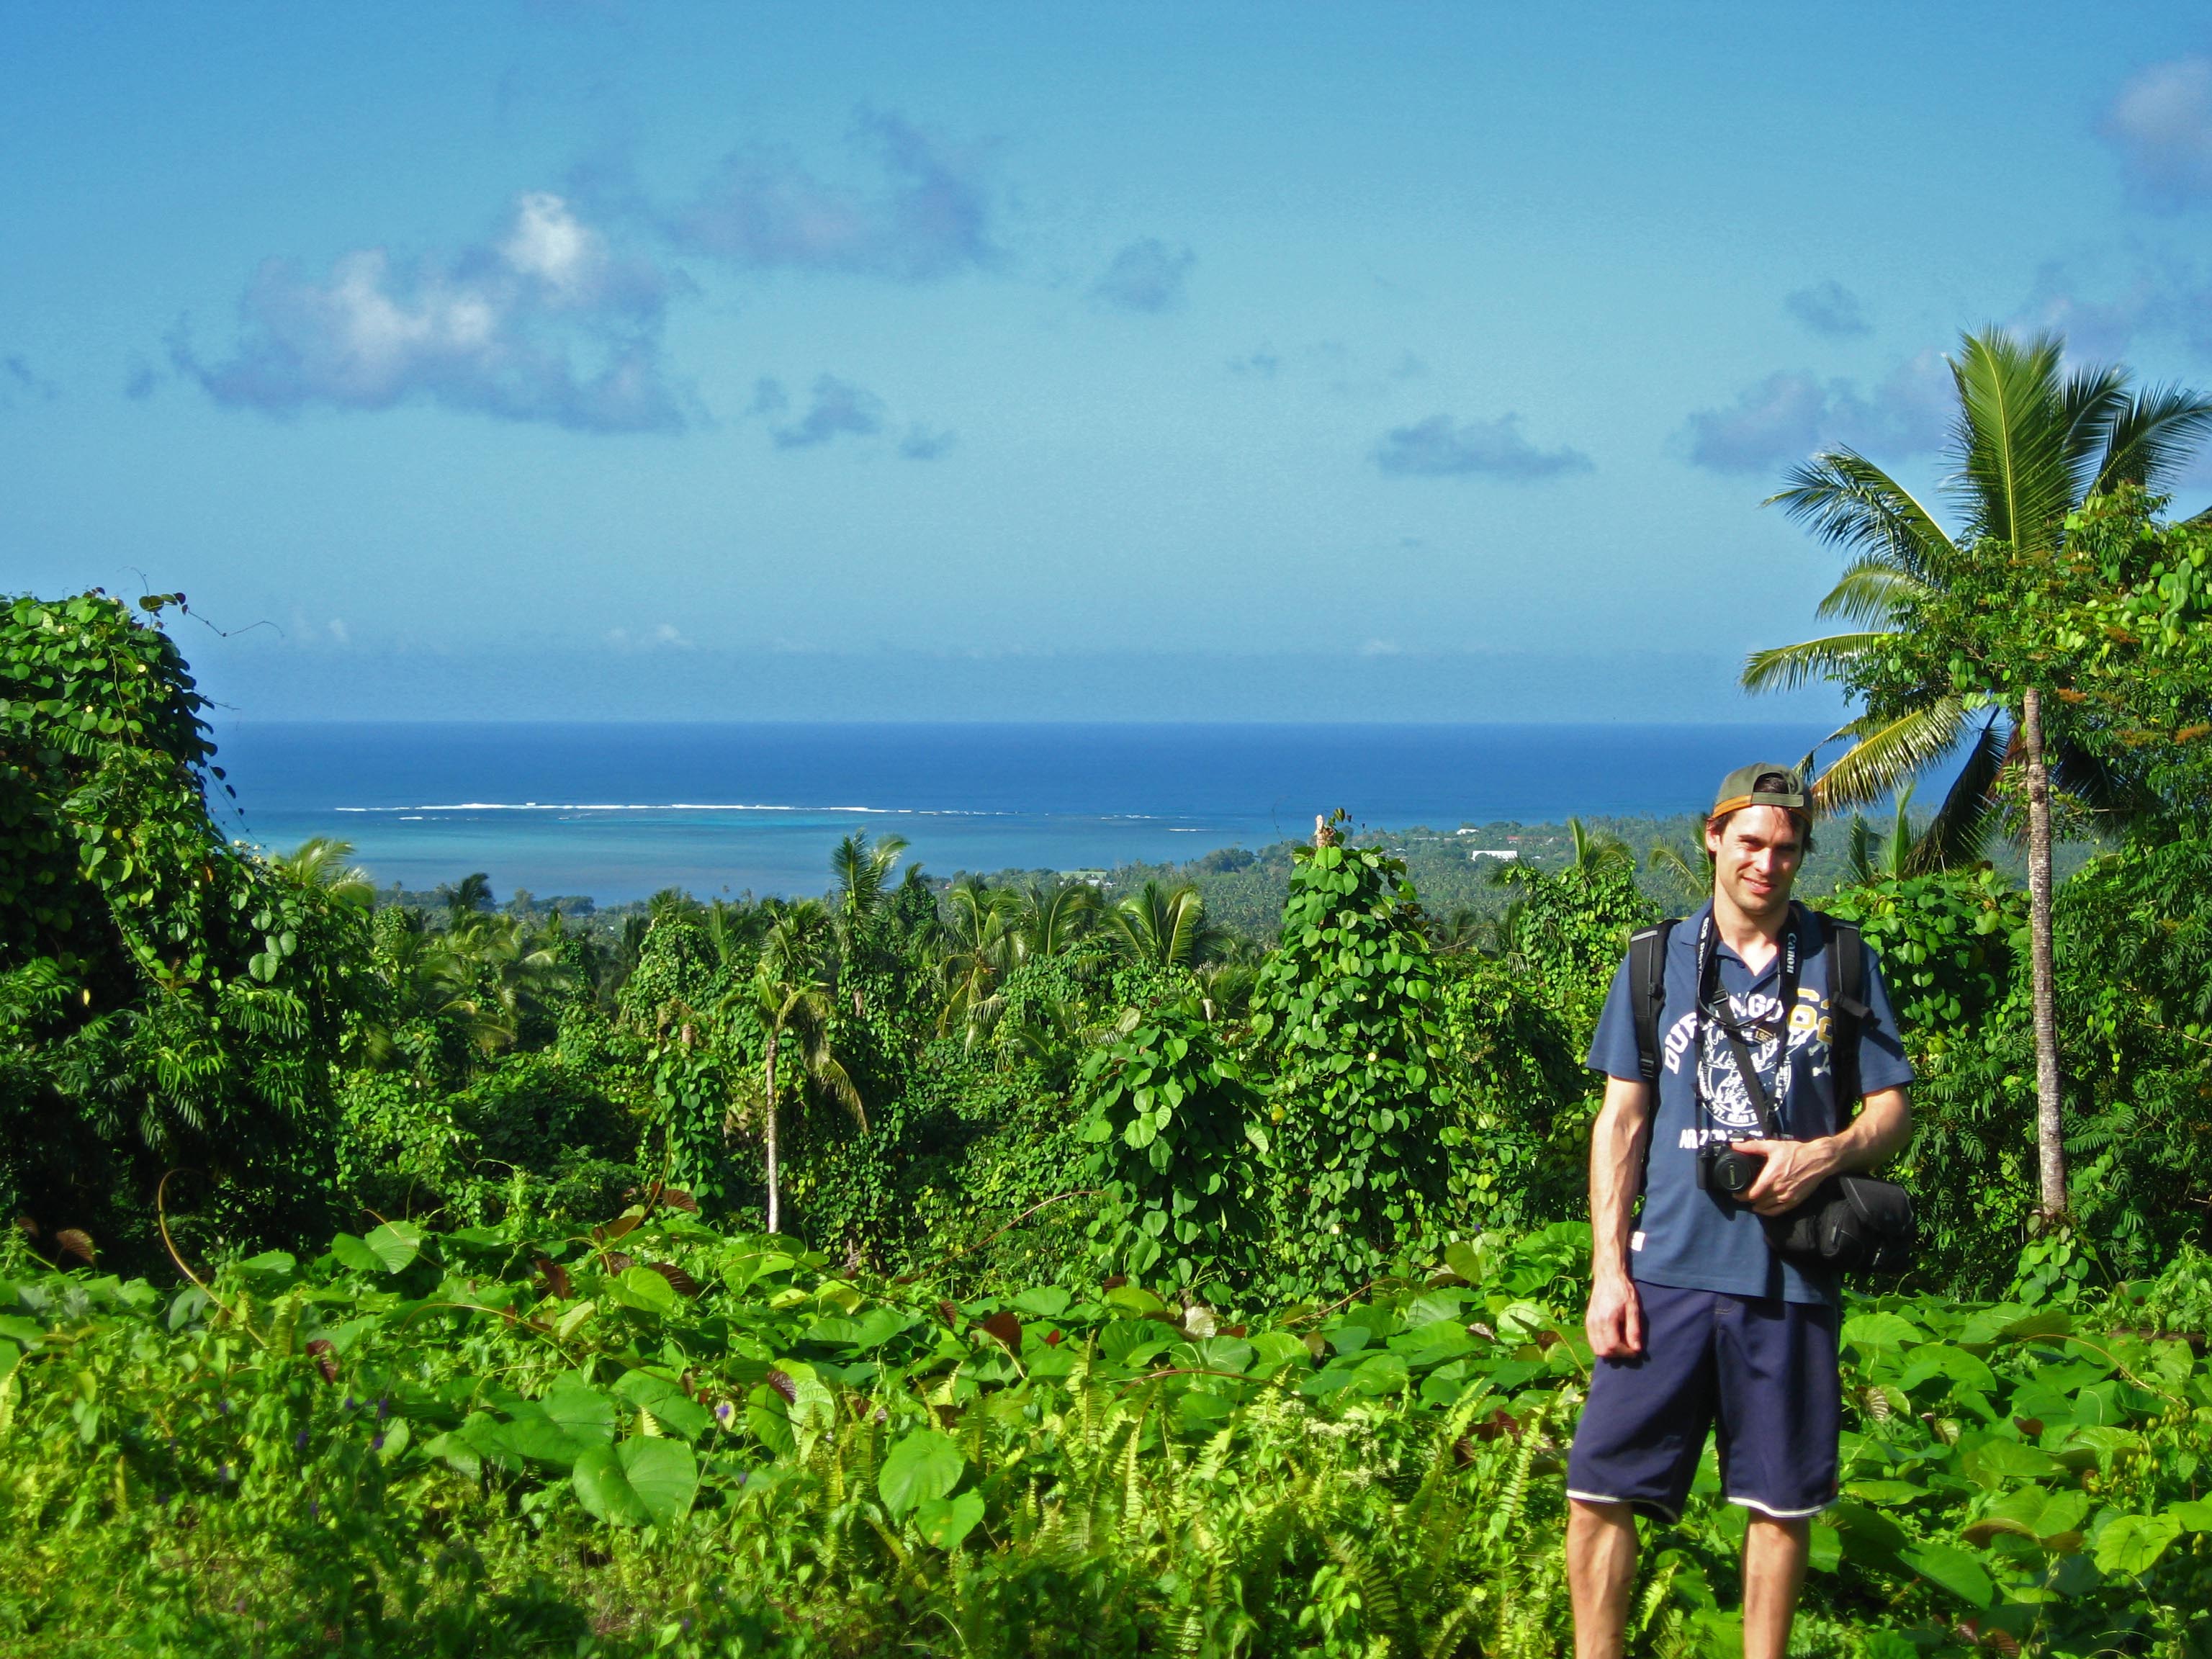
{"x": 1039, "y": 1266}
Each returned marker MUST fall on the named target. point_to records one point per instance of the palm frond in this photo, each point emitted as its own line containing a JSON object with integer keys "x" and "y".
{"x": 1787, "y": 668}
{"x": 1888, "y": 754}
{"x": 2091, "y": 400}
{"x": 1961, "y": 827}
{"x": 1870, "y": 589}
{"x": 1845, "y": 499}
{"x": 2153, "y": 437}
{"x": 2014, "y": 476}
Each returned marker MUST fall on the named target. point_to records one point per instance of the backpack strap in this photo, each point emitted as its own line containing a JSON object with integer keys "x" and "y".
{"x": 1847, "y": 1007}
{"x": 1647, "y": 992}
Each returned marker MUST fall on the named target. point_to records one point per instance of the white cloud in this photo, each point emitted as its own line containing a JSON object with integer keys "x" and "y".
{"x": 544, "y": 324}
{"x": 765, "y": 211}
{"x": 1792, "y": 415}
{"x": 2161, "y": 124}
{"x": 1436, "y": 448}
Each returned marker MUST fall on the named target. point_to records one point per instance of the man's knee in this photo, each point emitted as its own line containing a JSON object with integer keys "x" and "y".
{"x": 1592, "y": 1512}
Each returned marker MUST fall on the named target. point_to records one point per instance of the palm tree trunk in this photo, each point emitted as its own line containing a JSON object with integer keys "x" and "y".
{"x": 768, "y": 1136}
{"x": 2050, "y": 1143}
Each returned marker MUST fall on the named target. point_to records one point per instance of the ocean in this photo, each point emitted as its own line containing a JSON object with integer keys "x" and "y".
{"x": 616, "y": 812}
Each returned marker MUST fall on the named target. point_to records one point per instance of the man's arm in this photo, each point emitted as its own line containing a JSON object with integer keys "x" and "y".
{"x": 1794, "y": 1168}
{"x": 1615, "y": 1320}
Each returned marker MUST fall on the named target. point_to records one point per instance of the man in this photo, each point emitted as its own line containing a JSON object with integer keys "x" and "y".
{"x": 1696, "y": 1322}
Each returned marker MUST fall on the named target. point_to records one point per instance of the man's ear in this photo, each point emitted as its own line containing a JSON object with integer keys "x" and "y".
{"x": 1712, "y": 839}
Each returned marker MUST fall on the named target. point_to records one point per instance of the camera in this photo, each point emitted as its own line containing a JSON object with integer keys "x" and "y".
{"x": 1721, "y": 1168}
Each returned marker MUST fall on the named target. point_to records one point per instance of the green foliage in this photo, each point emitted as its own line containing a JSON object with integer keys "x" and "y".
{"x": 165, "y": 999}
{"x": 654, "y": 1437}
{"x": 2135, "y": 944}
{"x": 1568, "y": 929}
{"x": 1361, "y": 1113}
{"x": 1176, "y": 1129}
{"x": 1524, "y": 1100}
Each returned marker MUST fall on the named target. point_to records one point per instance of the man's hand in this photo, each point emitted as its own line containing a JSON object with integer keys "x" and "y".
{"x": 1793, "y": 1169}
{"x": 1614, "y": 1322}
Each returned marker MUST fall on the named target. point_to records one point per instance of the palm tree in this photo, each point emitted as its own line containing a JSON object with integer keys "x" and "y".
{"x": 1691, "y": 873}
{"x": 320, "y": 862}
{"x": 513, "y": 970}
{"x": 2029, "y": 445}
{"x": 863, "y": 874}
{"x": 1595, "y": 851}
{"x": 978, "y": 951}
{"x": 1872, "y": 857}
{"x": 1165, "y": 927}
{"x": 1050, "y": 918}
{"x": 469, "y": 896}
{"x": 793, "y": 990}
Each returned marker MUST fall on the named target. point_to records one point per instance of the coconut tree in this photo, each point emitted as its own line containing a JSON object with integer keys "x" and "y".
{"x": 1165, "y": 927}
{"x": 2029, "y": 443}
{"x": 1873, "y": 854}
{"x": 470, "y": 896}
{"x": 792, "y": 992}
{"x": 863, "y": 870}
{"x": 1050, "y": 918}
{"x": 321, "y": 862}
{"x": 977, "y": 951}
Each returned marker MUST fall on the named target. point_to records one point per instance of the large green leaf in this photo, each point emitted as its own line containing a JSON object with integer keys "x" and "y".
{"x": 353, "y": 1252}
{"x": 1871, "y": 1331}
{"x": 925, "y": 1465}
{"x": 669, "y": 1407}
{"x": 1044, "y": 1302}
{"x": 531, "y": 1437}
{"x": 2132, "y": 1544}
{"x": 580, "y": 1411}
{"x": 395, "y": 1244}
{"x": 2008, "y": 1460}
{"x": 1942, "y": 1360}
{"x": 943, "y": 1521}
{"x": 1957, "y": 1570}
{"x": 640, "y": 1482}
{"x": 646, "y": 1290}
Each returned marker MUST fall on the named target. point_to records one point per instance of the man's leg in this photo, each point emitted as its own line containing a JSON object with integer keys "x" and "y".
{"x": 1781, "y": 1412}
{"x": 1601, "y": 1572}
{"x": 1773, "y": 1573}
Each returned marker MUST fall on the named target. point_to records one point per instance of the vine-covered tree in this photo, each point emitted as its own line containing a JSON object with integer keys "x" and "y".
{"x": 167, "y": 1000}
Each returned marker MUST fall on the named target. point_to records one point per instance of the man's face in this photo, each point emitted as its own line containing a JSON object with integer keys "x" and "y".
{"x": 1755, "y": 859}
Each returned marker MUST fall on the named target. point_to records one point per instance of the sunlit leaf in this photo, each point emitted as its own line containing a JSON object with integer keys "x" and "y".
{"x": 2132, "y": 1544}
{"x": 924, "y": 1465}
{"x": 943, "y": 1523}
{"x": 395, "y": 1244}
{"x": 638, "y": 1483}
{"x": 1957, "y": 1570}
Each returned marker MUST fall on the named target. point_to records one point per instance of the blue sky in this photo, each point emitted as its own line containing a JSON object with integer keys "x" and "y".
{"x": 1292, "y": 361}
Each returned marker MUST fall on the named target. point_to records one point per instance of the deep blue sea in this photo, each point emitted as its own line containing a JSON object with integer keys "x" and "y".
{"x": 616, "y": 812}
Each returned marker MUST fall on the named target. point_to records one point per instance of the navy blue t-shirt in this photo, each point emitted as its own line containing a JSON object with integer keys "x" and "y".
{"x": 1702, "y": 1241}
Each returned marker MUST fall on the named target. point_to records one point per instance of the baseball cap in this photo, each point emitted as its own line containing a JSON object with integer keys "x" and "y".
{"x": 1763, "y": 784}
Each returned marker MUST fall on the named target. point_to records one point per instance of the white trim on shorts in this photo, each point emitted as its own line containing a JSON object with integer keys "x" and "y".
{"x": 1670, "y": 1518}
{"x": 1774, "y": 1514}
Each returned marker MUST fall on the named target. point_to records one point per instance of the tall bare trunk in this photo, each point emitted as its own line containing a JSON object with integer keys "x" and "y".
{"x": 767, "y": 1138}
{"x": 2049, "y": 1129}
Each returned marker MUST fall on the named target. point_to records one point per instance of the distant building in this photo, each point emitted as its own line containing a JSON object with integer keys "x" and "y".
{"x": 1502, "y": 853}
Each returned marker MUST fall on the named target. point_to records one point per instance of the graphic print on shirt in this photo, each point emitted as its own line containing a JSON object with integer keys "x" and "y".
{"x": 1731, "y": 1113}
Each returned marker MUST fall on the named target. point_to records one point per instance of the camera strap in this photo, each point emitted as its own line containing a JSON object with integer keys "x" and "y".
{"x": 1711, "y": 1005}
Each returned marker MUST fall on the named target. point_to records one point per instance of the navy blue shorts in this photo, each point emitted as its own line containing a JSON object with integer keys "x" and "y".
{"x": 1759, "y": 1370}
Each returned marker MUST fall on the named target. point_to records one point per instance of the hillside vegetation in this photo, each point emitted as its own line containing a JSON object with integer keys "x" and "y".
{"x": 1016, "y": 1267}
